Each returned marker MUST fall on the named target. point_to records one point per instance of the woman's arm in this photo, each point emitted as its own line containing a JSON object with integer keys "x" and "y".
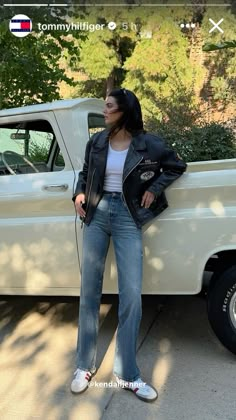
{"x": 83, "y": 175}
{"x": 172, "y": 167}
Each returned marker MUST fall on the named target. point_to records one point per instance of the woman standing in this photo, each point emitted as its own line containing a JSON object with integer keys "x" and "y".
{"x": 120, "y": 188}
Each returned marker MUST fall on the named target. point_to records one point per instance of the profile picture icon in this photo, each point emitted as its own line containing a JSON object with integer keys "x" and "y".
{"x": 20, "y": 25}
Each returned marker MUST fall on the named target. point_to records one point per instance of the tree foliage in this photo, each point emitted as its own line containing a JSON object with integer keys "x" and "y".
{"x": 211, "y": 141}
{"x": 103, "y": 53}
{"x": 221, "y": 58}
{"x": 148, "y": 52}
{"x": 220, "y": 46}
{"x": 160, "y": 72}
{"x": 29, "y": 66}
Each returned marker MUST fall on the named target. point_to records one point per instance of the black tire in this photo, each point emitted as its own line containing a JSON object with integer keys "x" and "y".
{"x": 222, "y": 308}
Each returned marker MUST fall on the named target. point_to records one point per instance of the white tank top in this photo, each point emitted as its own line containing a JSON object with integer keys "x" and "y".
{"x": 114, "y": 169}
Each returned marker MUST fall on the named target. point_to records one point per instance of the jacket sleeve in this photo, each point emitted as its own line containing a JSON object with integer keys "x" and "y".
{"x": 172, "y": 167}
{"x": 83, "y": 175}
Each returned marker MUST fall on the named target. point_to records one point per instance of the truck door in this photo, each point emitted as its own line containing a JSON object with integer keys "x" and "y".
{"x": 38, "y": 252}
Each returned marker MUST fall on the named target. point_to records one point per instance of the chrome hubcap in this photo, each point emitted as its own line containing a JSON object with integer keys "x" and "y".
{"x": 232, "y": 309}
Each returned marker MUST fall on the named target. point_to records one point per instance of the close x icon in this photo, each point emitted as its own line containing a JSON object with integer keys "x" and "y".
{"x": 216, "y": 26}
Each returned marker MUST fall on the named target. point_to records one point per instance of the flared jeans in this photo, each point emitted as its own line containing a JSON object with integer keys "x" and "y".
{"x": 111, "y": 219}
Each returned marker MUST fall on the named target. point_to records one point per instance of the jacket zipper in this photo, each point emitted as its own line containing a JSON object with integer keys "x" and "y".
{"x": 82, "y": 222}
{"x": 124, "y": 181}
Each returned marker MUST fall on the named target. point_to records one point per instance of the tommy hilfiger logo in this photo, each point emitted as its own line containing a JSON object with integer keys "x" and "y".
{"x": 20, "y": 25}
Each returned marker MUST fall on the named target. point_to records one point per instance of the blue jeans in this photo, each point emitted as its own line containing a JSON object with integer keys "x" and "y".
{"x": 111, "y": 219}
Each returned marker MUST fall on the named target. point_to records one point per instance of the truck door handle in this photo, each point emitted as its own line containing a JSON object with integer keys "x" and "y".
{"x": 55, "y": 187}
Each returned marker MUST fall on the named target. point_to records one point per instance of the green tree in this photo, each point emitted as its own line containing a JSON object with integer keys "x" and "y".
{"x": 161, "y": 72}
{"x": 29, "y": 66}
{"x": 103, "y": 53}
{"x": 221, "y": 58}
{"x": 220, "y": 46}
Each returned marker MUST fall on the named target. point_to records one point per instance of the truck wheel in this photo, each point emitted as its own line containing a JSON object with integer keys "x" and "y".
{"x": 222, "y": 308}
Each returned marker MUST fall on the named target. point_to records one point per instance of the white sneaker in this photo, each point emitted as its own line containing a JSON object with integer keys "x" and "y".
{"x": 81, "y": 381}
{"x": 141, "y": 389}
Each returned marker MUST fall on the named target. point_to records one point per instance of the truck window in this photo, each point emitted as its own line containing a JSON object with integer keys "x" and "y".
{"x": 95, "y": 123}
{"x": 29, "y": 147}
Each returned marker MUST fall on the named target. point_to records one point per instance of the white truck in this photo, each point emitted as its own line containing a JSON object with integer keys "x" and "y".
{"x": 41, "y": 152}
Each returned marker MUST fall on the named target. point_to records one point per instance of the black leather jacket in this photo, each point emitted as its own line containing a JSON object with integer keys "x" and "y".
{"x": 149, "y": 165}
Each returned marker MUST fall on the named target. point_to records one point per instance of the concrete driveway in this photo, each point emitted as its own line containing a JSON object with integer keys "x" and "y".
{"x": 177, "y": 352}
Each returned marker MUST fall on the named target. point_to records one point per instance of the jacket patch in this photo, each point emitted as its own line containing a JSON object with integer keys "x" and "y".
{"x": 145, "y": 176}
{"x": 149, "y": 162}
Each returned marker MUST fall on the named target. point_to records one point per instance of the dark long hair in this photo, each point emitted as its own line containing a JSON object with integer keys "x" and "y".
{"x": 129, "y": 104}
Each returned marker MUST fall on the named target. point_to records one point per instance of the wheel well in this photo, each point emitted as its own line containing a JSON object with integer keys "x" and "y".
{"x": 217, "y": 264}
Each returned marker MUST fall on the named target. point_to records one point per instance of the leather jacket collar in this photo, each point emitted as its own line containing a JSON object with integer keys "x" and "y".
{"x": 133, "y": 157}
{"x": 138, "y": 141}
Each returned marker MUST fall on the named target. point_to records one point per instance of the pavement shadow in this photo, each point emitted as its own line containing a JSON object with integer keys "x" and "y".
{"x": 28, "y": 328}
{"x": 13, "y": 309}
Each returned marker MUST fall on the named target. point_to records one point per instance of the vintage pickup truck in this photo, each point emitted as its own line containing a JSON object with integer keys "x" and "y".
{"x": 41, "y": 152}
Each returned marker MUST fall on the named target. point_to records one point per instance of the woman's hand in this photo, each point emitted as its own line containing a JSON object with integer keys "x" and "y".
{"x": 79, "y": 201}
{"x": 147, "y": 199}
